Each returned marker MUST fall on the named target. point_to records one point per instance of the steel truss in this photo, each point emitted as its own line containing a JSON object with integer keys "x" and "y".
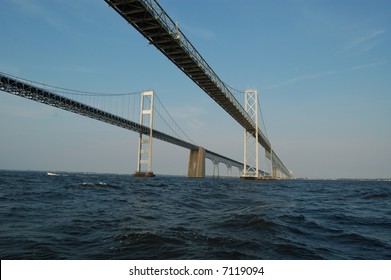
{"x": 251, "y": 153}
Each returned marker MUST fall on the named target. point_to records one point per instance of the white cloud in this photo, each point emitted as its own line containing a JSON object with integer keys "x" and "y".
{"x": 190, "y": 116}
{"x": 197, "y": 32}
{"x": 367, "y": 66}
{"x": 33, "y": 8}
{"x": 362, "y": 43}
{"x": 300, "y": 79}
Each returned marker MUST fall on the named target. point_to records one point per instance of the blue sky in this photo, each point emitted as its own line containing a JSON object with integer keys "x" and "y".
{"x": 322, "y": 70}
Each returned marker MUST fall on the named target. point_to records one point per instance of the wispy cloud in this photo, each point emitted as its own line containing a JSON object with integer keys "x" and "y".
{"x": 67, "y": 68}
{"x": 9, "y": 69}
{"x": 191, "y": 116}
{"x": 369, "y": 65}
{"x": 362, "y": 43}
{"x": 323, "y": 74}
{"x": 301, "y": 78}
{"x": 197, "y": 32}
{"x": 25, "y": 110}
{"x": 35, "y": 9}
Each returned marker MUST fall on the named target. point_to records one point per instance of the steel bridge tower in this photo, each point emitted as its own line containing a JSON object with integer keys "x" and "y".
{"x": 251, "y": 152}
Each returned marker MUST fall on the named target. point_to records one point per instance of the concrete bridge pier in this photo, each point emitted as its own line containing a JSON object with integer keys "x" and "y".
{"x": 229, "y": 171}
{"x": 216, "y": 170}
{"x": 196, "y": 167}
{"x": 274, "y": 172}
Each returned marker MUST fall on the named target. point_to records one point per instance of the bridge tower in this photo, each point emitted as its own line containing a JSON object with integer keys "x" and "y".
{"x": 144, "y": 157}
{"x": 251, "y": 153}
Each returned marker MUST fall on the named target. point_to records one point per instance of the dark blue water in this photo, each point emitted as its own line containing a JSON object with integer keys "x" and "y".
{"x": 89, "y": 216}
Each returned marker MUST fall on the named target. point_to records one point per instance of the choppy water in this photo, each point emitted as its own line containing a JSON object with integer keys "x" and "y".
{"x": 90, "y": 216}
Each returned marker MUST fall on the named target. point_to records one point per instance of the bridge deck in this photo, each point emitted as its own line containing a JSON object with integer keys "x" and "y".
{"x": 149, "y": 18}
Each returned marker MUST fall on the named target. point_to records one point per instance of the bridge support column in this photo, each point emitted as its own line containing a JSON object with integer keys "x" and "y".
{"x": 196, "y": 167}
{"x": 145, "y": 141}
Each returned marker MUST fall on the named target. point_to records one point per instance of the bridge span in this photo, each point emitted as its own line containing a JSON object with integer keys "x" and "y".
{"x": 198, "y": 154}
{"x": 149, "y": 18}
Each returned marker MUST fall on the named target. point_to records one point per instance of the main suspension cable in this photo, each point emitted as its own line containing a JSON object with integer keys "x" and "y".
{"x": 63, "y": 90}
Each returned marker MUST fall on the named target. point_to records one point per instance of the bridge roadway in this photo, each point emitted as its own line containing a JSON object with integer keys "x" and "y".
{"x": 14, "y": 86}
{"x": 149, "y": 18}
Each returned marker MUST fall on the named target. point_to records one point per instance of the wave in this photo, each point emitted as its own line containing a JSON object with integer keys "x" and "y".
{"x": 377, "y": 195}
{"x": 96, "y": 184}
{"x": 92, "y": 216}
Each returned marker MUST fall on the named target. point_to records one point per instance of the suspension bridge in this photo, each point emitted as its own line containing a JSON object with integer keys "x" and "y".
{"x": 149, "y": 18}
{"x": 100, "y": 106}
